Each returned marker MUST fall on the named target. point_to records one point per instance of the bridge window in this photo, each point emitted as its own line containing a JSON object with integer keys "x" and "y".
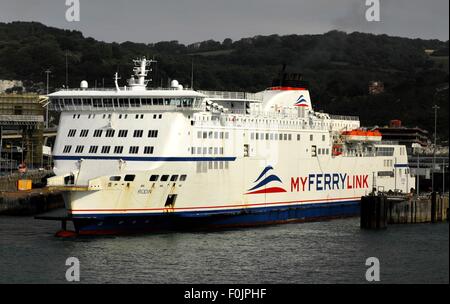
{"x": 114, "y": 178}
{"x": 164, "y": 178}
{"x": 146, "y": 101}
{"x": 87, "y": 102}
{"x": 107, "y": 102}
{"x": 134, "y": 102}
{"x": 124, "y": 103}
{"x": 183, "y": 177}
{"x": 96, "y": 102}
{"x": 154, "y": 178}
{"x": 174, "y": 178}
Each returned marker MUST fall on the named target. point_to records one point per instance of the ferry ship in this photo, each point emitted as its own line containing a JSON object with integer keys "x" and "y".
{"x": 133, "y": 159}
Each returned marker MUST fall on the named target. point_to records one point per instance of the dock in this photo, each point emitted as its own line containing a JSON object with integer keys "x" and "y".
{"x": 379, "y": 211}
{"x": 30, "y": 202}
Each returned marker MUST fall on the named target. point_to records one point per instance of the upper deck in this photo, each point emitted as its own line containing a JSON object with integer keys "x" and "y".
{"x": 112, "y": 100}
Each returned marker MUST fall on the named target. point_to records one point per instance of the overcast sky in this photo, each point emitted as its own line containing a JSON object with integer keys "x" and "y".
{"x": 190, "y": 21}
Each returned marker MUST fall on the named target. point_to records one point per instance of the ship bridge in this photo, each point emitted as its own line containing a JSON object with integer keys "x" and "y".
{"x": 113, "y": 100}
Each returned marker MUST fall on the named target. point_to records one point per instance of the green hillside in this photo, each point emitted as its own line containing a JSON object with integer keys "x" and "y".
{"x": 339, "y": 67}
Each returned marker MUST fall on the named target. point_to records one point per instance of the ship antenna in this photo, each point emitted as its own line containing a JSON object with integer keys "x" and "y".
{"x": 192, "y": 74}
{"x": 116, "y": 81}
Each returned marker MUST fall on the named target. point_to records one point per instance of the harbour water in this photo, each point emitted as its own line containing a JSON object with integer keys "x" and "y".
{"x": 319, "y": 252}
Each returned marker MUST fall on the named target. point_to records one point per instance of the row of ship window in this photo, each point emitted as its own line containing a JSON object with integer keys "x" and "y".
{"x": 107, "y": 149}
{"x": 253, "y": 136}
{"x": 111, "y": 133}
{"x": 279, "y": 136}
{"x": 123, "y": 102}
{"x": 319, "y": 151}
{"x": 203, "y": 167}
{"x": 121, "y": 116}
{"x": 385, "y": 151}
{"x": 211, "y": 135}
{"x": 153, "y": 178}
{"x": 207, "y": 150}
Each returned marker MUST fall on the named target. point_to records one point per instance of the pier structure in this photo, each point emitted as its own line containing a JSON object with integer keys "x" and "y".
{"x": 22, "y": 114}
{"x": 378, "y": 211}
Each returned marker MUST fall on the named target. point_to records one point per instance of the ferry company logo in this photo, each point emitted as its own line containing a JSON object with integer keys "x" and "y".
{"x": 301, "y": 102}
{"x": 261, "y": 182}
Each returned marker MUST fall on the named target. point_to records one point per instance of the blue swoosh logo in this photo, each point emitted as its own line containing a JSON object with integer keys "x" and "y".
{"x": 263, "y": 172}
{"x": 265, "y": 181}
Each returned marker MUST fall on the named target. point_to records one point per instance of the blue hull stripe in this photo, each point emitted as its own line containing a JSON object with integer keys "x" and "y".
{"x": 137, "y": 158}
{"x": 401, "y": 165}
{"x": 133, "y": 222}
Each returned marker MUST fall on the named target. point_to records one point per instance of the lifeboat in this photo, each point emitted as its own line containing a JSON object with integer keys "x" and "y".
{"x": 361, "y": 135}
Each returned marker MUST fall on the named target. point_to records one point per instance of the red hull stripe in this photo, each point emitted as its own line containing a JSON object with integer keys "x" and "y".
{"x": 224, "y": 206}
{"x": 268, "y": 190}
{"x": 301, "y": 105}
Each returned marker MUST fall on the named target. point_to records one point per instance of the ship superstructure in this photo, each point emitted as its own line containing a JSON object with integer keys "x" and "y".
{"x": 133, "y": 159}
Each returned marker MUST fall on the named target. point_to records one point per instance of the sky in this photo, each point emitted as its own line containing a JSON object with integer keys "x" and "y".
{"x": 190, "y": 21}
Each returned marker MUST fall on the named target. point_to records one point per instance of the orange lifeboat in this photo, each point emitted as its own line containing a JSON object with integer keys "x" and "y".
{"x": 361, "y": 135}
